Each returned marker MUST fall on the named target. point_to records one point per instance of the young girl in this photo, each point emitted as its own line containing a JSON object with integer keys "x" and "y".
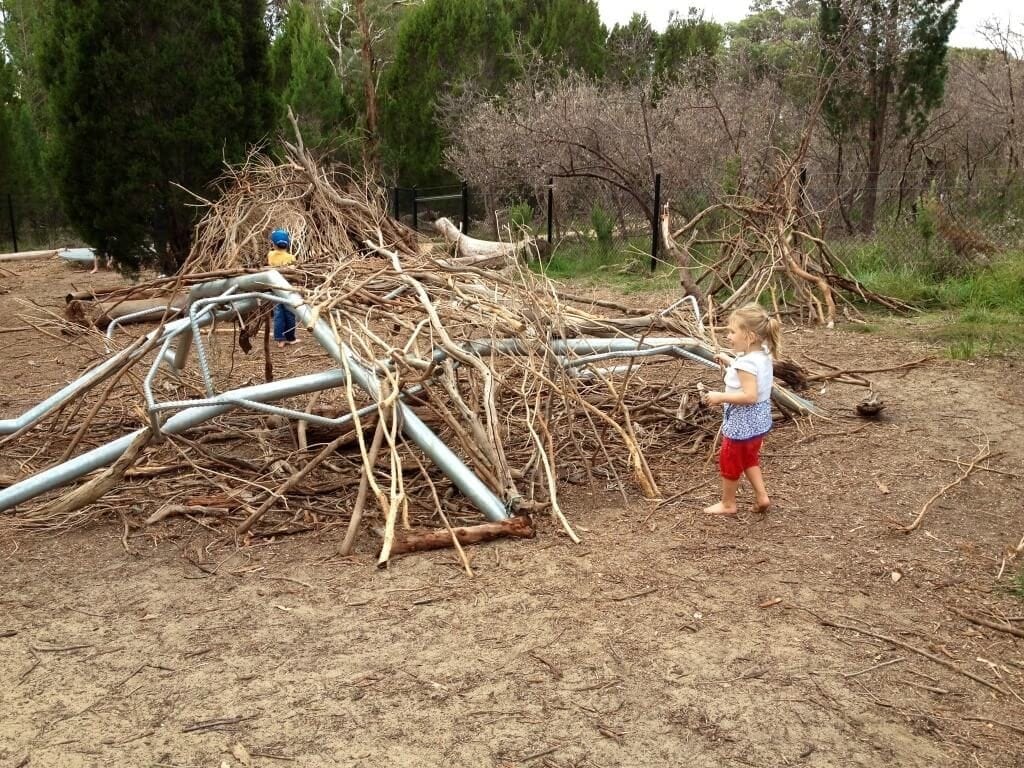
{"x": 755, "y": 337}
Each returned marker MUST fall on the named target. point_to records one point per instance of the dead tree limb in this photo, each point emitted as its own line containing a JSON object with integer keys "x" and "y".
{"x": 515, "y": 527}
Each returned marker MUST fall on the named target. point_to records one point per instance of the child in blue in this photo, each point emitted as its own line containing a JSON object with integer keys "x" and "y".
{"x": 281, "y": 256}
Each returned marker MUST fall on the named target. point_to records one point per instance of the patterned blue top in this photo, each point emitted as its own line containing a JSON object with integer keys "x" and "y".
{"x": 745, "y": 422}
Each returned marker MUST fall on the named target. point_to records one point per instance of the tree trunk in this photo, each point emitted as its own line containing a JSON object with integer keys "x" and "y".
{"x": 876, "y": 140}
{"x": 682, "y": 258}
{"x": 371, "y": 149}
{"x": 881, "y": 84}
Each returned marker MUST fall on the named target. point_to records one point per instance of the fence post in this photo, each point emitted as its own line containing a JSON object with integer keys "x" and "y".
{"x": 465, "y": 208}
{"x": 415, "y": 210}
{"x": 551, "y": 206}
{"x": 655, "y": 234}
{"x": 10, "y": 215}
{"x": 394, "y": 204}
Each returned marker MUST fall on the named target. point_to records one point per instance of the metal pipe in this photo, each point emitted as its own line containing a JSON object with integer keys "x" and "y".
{"x": 89, "y": 378}
{"x": 85, "y": 255}
{"x": 247, "y": 305}
{"x": 413, "y": 427}
{"x": 193, "y": 319}
{"x": 171, "y": 311}
{"x": 71, "y": 470}
{"x": 445, "y": 459}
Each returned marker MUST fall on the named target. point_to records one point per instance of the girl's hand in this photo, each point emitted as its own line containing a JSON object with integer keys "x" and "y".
{"x": 714, "y": 398}
{"x": 724, "y": 361}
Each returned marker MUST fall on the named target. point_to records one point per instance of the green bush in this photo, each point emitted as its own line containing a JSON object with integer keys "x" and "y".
{"x": 604, "y": 225}
{"x": 520, "y": 217}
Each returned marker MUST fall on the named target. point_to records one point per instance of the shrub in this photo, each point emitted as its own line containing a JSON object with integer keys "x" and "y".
{"x": 603, "y": 224}
{"x": 520, "y": 217}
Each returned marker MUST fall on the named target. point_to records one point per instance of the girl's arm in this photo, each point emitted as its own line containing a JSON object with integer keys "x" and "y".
{"x": 748, "y": 395}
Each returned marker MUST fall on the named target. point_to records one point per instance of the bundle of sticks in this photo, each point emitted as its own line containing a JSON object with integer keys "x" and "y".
{"x": 773, "y": 245}
{"x": 518, "y": 376}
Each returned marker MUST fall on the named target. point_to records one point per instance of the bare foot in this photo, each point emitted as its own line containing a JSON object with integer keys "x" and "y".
{"x": 280, "y": 345}
{"x": 762, "y": 505}
{"x": 720, "y": 509}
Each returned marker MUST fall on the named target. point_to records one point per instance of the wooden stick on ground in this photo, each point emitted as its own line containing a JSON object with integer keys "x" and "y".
{"x": 514, "y": 527}
{"x": 288, "y": 484}
{"x": 919, "y": 651}
{"x": 364, "y": 488}
{"x": 455, "y": 543}
{"x": 1008, "y": 629}
{"x": 982, "y": 454}
{"x": 86, "y": 494}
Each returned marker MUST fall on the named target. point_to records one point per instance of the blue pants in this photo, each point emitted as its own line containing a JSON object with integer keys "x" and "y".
{"x": 284, "y": 323}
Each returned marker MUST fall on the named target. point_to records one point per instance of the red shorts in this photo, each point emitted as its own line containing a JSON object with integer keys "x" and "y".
{"x": 739, "y": 455}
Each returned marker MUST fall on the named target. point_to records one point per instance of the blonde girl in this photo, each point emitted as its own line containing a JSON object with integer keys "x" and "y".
{"x": 754, "y": 336}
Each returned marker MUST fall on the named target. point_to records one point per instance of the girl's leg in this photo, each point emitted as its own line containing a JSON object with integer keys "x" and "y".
{"x": 761, "y": 499}
{"x": 727, "y": 506}
{"x": 730, "y": 465}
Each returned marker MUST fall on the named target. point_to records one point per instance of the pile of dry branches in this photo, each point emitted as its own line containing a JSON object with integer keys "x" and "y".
{"x": 479, "y": 354}
{"x": 329, "y": 212}
{"x": 772, "y": 245}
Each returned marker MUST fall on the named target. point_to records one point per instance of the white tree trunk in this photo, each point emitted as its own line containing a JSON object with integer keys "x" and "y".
{"x": 483, "y": 252}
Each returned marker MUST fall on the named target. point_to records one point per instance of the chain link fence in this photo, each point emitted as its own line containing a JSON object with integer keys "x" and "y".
{"x": 935, "y": 229}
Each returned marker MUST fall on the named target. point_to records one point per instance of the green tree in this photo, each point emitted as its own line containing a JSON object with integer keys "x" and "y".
{"x": 777, "y": 41}
{"x": 9, "y": 171}
{"x": 23, "y": 113}
{"x": 886, "y": 59}
{"x": 145, "y": 97}
{"x": 443, "y": 45}
{"x": 305, "y": 80}
{"x": 631, "y": 49}
{"x": 568, "y": 32}
{"x": 684, "y": 38}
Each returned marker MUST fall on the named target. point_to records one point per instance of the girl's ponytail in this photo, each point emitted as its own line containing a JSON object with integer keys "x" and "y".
{"x": 754, "y": 318}
{"x": 773, "y": 336}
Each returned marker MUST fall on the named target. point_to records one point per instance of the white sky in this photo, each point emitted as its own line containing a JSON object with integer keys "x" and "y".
{"x": 972, "y": 13}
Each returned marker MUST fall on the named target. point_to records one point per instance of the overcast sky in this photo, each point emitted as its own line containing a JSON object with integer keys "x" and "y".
{"x": 972, "y": 13}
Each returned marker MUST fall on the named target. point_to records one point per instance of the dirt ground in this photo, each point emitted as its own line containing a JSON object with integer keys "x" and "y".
{"x": 665, "y": 638}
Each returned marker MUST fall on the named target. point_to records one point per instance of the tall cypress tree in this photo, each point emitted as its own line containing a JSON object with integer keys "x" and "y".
{"x": 684, "y": 38}
{"x": 885, "y": 58}
{"x": 305, "y": 81}
{"x": 631, "y": 50}
{"x": 568, "y": 32}
{"x": 145, "y": 97}
{"x": 441, "y": 44}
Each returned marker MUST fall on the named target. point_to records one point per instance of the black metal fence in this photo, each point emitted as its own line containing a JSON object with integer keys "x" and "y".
{"x": 416, "y": 206}
{"x": 936, "y": 234}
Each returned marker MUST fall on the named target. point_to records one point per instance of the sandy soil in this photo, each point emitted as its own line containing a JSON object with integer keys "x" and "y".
{"x": 666, "y": 638}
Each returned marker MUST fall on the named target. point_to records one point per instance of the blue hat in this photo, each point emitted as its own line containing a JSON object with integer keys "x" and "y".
{"x": 281, "y": 238}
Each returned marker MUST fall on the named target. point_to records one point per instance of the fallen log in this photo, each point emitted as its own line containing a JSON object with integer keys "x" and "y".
{"x": 28, "y": 255}
{"x": 515, "y": 527}
{"x": 485, "y": 252}
{"x": 115, "y": 294}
